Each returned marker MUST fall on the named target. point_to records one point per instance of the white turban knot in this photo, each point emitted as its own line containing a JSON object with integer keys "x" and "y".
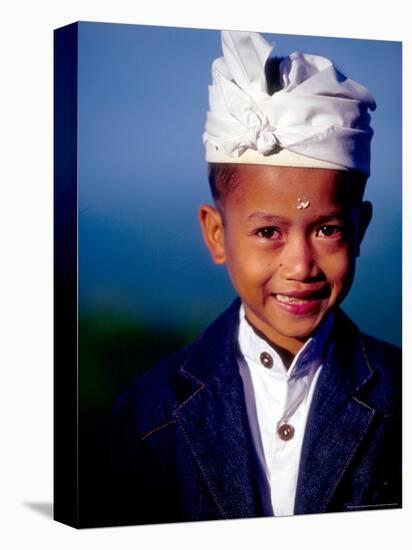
{"x": 318, "y": 112}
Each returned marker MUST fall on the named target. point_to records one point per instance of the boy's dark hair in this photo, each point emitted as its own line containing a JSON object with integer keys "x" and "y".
{"x": 224, "y": 177}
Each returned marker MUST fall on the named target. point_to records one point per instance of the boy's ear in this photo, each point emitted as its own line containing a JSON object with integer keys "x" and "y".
{"x": 211, "y": 224}
{"x": 365, "y": 218}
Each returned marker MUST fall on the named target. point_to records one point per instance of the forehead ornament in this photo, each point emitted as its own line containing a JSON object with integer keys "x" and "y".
{"x": 301, "y": 204}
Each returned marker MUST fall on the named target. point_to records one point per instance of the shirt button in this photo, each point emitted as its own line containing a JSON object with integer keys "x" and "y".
{"x": 266, "y": 360}
{"x": 286, "y": 432}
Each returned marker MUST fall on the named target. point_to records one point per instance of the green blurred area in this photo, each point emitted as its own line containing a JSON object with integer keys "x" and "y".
{"x": 115, "y": 348}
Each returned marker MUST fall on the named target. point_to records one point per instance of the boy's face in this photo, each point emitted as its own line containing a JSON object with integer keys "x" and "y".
{"x": 289, "y": 237}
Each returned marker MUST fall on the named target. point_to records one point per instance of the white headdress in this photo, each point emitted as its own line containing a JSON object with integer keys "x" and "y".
{"x": 318, "y": 118}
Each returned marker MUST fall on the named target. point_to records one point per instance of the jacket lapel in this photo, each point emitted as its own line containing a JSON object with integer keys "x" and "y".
{"x": 214, "y": 421}
{"x": 338, "y": 420}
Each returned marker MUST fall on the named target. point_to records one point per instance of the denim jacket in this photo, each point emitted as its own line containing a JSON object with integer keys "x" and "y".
{"x": 183, "y": 449}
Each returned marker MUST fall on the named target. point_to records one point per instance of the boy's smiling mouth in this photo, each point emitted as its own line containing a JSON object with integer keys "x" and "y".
{"x": 301, "y": 302}
{"x": 290, "y": 299}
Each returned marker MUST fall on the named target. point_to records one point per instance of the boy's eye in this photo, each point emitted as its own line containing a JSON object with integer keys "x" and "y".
{"x": 329, "y": 231}
{"x": 269, "y": 232}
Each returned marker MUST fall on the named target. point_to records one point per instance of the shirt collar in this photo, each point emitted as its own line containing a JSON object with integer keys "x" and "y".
{"x": 309, "y": 357}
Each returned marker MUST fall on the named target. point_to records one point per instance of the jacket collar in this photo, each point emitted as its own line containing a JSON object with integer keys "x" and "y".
{"x": 203, "y": 363}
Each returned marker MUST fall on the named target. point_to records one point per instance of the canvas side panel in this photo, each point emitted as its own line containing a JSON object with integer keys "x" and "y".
{"x": 65, "y": 276}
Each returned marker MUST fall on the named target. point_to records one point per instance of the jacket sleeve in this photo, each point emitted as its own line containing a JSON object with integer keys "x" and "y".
{"x": 133, "y": 500}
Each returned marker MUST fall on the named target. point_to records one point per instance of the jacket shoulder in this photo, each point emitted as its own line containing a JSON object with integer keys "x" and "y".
{"x": 151, "y": 398}
{"x": 154, "y": 396}
{"x": 371, "y": 366}
{"x": 379, "y": 354}
{"x": 386, "y": 362}
{"x": 383, "y": 354}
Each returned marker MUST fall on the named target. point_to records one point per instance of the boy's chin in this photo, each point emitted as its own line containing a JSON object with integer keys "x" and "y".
{"x": 298, "y": 329}
{"x": 280, "y": 326}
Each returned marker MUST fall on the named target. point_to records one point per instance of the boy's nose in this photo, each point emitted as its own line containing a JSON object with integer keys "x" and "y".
{"x": 297, "y": 261}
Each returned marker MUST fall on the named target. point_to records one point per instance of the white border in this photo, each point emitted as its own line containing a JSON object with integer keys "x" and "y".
{"x": 26, "y": 267}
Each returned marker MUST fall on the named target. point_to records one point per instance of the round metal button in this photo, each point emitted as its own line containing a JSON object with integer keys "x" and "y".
{"x": 286, "y": 432}
{"x": 266, "y": 359}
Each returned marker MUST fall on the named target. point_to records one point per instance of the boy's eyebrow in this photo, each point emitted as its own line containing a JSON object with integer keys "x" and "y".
{"x": 271, "y": 218}
{"x": 338, "y": 214}
{"x": 265, "y": 217}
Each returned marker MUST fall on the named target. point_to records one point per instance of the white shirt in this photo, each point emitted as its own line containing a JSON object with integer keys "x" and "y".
{"x": 275, "y": 396}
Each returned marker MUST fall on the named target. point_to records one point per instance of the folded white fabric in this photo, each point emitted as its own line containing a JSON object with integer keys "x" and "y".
{"x": 318, "y": 118}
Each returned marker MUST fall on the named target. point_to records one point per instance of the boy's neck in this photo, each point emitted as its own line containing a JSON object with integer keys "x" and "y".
{"x": 286, "y": 354}
{"x": 282, "y": 344}
{"x": 288, "y": 348}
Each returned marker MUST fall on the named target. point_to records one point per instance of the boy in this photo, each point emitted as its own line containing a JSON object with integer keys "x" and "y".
{"x": 281, "y": 406}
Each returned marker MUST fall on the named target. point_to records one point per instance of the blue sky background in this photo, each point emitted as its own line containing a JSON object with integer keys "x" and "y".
{"x": 142, "y": 104}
